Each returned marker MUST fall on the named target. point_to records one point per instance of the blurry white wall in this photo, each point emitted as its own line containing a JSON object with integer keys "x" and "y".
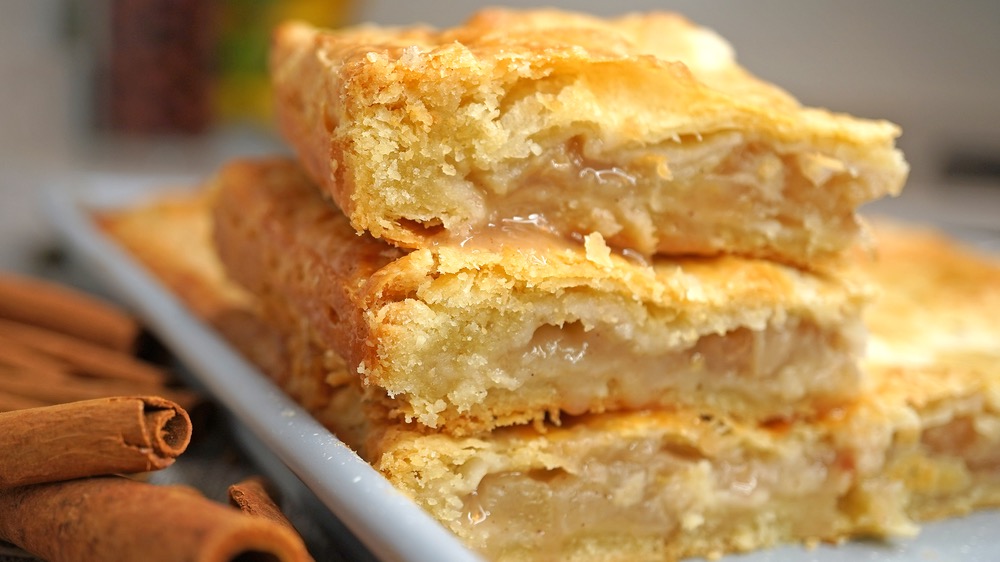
{"x": 36, "y": 123}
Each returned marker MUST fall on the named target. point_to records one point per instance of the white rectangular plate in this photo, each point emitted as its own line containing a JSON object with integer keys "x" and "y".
{"x": 386, "y": 521}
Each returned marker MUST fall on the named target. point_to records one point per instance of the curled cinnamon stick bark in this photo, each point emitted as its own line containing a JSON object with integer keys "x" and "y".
{"x": 61, "y": 309}
{"x": 93, "y": 437}
{"x": 111, "y": 519}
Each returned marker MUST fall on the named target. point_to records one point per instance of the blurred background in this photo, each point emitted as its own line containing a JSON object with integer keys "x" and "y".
{"x": 149, "y": 88}
{"x": 178, "y": 86}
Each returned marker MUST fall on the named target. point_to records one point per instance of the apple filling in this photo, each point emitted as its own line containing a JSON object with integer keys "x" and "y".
{"x": 792, "y": 368}
{"x": 648, "y": 491}
{"x": 957, "y": 463}
{"x": 746, "y": 371}
{"x": 699, "y": 195}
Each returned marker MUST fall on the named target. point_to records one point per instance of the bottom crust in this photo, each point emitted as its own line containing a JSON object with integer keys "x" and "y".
{"x": 923, "y": 443}
{"x": 666, "y": 485}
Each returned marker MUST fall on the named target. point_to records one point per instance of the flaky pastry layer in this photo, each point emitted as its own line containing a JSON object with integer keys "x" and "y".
{"x": 467, "y": 338}
{"x": 172, "y": 237}
{"x": 922, "y": 443}
{"x": 642, "y": 128}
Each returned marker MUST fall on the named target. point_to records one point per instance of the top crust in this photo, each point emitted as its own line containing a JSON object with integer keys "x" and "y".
{"x": 647, "y": 122}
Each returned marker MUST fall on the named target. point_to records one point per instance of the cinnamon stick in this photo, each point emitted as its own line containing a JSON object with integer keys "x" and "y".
{"x": 111, "y": 519}
{"x": 59, "y": 388}
{"x": 252, "y": 497}
{"x": 19, "y": 357}
{"x": 64, "y": 310}
{"x": 80, "y": 355}
{"x": 105, "y": 436}
{"x": 10, "y": 402}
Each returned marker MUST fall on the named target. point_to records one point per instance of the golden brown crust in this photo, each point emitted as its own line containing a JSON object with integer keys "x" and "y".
{"x": 469, "y": 338}
{"x": 172, "y": 238}
{"x": 921, "y": 444}
{"x": 180, "y": 222}
{"x": 958, "y": 297}
{"x": 413, "y": 130}
{"x": 935, "y": 348}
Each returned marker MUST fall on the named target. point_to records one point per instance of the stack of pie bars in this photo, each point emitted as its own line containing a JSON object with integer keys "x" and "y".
{"x": 586, "y": 289}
